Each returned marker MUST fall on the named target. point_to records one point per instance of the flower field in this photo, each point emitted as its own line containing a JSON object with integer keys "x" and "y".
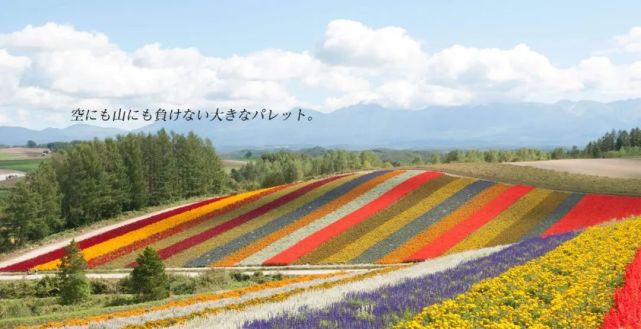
{"x": 580, "y": 279}
{"x": 384, "y": 217}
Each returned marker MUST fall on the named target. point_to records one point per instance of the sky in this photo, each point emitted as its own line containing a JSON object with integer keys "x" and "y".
{"x": 56, "y": 56}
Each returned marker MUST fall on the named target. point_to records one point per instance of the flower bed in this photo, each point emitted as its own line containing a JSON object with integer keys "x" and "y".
{"x": 369, "y": 192}
{"x": 463, "y": 229}
{"x": 336, "y": 227}
{"x": 341, "y": 242}
{"x": 570, "y": 287}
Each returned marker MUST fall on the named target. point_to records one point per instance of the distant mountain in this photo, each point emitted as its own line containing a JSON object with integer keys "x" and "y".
{"x": 20, "y": 136}
{"x": 563, "y": 123}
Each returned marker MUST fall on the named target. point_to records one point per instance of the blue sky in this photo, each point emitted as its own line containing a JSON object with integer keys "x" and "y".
{"x": 325, "y": 55}
{"x": 565, "y": 31}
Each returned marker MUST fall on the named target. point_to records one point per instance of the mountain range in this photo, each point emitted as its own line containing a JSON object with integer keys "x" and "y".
{"x": 564, "y": 123}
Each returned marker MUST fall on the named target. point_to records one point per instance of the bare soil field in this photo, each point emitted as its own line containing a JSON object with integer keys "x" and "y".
{"x": 234, "y": 163}
{"x": 622, "y": 168}
{"x": 21, "y": 153}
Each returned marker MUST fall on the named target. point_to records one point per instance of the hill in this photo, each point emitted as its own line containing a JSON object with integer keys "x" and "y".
{"x": 368, "y": 217}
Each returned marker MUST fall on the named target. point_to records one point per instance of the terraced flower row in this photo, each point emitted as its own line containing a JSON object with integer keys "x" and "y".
{"x": 572, "y": 286}
{"x": 388, "y": 216}
{"x": 585, "y": 279}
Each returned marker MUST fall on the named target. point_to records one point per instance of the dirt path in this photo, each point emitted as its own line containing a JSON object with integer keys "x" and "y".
{"x": 622, "y": 168}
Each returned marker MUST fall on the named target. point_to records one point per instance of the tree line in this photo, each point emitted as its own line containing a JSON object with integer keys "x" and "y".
{"x": 275, "y": 168}
{"x": 616, "y": 144}
{"x": 88, "y": 181}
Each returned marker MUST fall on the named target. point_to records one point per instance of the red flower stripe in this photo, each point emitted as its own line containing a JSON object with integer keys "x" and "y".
{"x": 475, "y": 221}
{"x": 626, "y": 312}
{"x": 230, "y": 224}
{"x": 313, "y": 241}
{"x": 594, "y": 209}
{"x": 86, "y": 243}
{"x": 100, "y": 260}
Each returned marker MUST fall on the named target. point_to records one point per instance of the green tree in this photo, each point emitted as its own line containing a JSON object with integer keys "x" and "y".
{"x": 148, "y": 280}
{"x": 133, "y": 160}
{"x": 43, "y": 182}
{"x": 22, "y": 209}
{"x": 74, "y": 285}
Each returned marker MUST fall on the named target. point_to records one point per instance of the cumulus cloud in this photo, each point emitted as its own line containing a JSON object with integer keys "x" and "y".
{"x": 45, "y": 71}
{"x": 351, "y": 43}
{"x": 630, "y": 41}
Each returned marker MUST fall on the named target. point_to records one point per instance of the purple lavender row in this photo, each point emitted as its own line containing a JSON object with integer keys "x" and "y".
{"x": 388, "y": 305}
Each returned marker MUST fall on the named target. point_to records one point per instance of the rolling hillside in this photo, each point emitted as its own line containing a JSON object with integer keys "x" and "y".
{"x": 387, "y": 216}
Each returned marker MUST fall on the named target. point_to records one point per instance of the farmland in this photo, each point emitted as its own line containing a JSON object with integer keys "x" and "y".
{"x": 584, "y": 278}
{"x": 426, "y": 246}
{"x": 382, "y": 217}
{"x": 546, "y": 178}
{"x": 623, "y": 168}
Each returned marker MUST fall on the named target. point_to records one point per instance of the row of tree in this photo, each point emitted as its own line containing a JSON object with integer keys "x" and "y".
{"x": 90, "y": 181}
{"x": 285, "y": 167}
{"x": 616, "y": 143}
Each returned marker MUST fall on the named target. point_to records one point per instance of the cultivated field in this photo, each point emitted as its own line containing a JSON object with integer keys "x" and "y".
{"x": 552, "y": 179}
{"x": 405, "y": 248}
{"x": 20, "y": 153}
{"x": 583, "y": 279}
{"x": 379, "y": 217}
{"x": 623, "y": 168}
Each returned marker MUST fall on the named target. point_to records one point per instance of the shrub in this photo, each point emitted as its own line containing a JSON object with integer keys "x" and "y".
{"x": 74, "y": 286}
{"x": 148, "y": 280}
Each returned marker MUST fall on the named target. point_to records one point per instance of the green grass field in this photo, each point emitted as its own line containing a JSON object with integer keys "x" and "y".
{"x": 545, "y": 178}
{"x": 26, "y": 165}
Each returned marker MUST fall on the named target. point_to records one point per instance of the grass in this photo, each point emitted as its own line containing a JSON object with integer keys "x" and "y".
{"x": 25, "y": 165}
{"x": 544, "y": 178}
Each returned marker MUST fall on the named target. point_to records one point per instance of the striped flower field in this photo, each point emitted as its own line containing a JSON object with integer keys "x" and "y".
{"x": 385, "y": 217}
{"x": 581, "y": 279}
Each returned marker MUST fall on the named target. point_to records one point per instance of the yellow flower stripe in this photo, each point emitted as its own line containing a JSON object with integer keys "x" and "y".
{"x": 253, "y": 224}
{"x": 570, "y": 287}
{"x": 442, "y": 226}
{"x": 497, "y": 226}
{"x": 258, "y": 245}
{"x": 143, "y": 232}
{"x": 236, "y": 293}
{"x": 259, "y": 300}
{"x": 366, "y": 241}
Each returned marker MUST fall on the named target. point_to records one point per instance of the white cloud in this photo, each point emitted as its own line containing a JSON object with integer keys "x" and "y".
{"x": 45, "y": 71}
{"x": 351, "y": 43}
{"x": 630, "y": 41}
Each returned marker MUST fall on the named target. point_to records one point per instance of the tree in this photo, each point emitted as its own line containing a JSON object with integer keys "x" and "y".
{"x": 148, "y": 280}
{"x": 43, "y": 183}
{"x": 31, "y": 144}
{"x": 22, "y": 209}
{"x": 74, "y": 285}
{"x": 132, "y": 157}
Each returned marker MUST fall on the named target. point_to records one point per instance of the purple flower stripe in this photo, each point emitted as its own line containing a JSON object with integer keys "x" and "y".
{"x": 387, "y": 305}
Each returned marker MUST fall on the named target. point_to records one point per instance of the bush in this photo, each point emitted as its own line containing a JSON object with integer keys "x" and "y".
{"x": 74, "y": 286}
{"x": 148, "y": 280}
{"x": 47, "y": 287}
{"x": 182, "y": 285}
